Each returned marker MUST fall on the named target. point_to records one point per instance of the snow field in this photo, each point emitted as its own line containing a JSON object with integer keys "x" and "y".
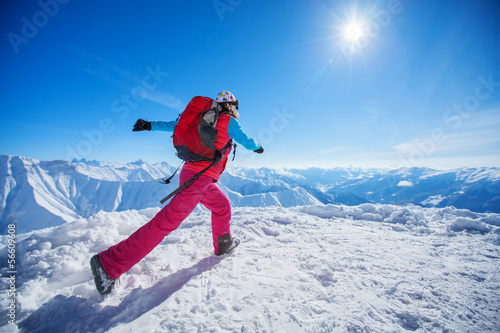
{"x": 367, "y": 268}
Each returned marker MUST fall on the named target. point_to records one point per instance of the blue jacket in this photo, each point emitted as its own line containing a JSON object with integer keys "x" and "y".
{"x": 234, "y": 129}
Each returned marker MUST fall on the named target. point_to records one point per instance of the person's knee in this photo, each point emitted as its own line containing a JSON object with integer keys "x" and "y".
{"x": 227, "y": 203}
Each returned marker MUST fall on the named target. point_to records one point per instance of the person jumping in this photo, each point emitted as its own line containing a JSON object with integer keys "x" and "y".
{"x": 108, "y": 265}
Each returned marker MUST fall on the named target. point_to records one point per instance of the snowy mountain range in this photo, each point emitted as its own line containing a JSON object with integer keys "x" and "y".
{"x": 39, "y": 194}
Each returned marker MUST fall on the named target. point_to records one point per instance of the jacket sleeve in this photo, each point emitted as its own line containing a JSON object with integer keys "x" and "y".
{"x": 167, "y": 126}
{"x": 236, "y": 132}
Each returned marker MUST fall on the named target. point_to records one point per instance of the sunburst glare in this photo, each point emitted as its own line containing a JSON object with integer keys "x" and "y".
{"x": 353, "y": 32}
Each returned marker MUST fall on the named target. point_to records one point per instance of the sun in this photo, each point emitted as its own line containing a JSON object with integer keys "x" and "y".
{"x": 353, "y": 32}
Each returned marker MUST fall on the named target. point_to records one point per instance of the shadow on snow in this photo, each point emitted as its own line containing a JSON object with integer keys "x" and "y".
{"x": 76, "y": 314}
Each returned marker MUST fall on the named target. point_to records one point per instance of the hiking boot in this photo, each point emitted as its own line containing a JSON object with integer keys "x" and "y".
{"x": 226, "y": 244}
{"x": 103, "y": 282}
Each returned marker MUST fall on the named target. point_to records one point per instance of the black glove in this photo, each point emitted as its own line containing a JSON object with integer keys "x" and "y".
{"x": 259, "y": 151}
{"x": 142, "y": 125}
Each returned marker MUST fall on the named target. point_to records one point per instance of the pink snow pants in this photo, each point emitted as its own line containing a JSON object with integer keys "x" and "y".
{"x": 119, "y": 258}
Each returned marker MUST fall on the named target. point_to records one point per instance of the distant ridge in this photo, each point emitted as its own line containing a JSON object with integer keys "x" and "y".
{"x": 39, "y": 194}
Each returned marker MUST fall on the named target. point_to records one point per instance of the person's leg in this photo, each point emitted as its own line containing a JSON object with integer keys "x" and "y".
{"x": 215, "y": 200}
{"x": 119, "y": 258}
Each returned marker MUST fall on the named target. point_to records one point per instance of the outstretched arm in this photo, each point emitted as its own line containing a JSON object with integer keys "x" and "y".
{"x": 167, "y": 126}
{"x": 143, "y": 125}
{"x": 236, "y": 132}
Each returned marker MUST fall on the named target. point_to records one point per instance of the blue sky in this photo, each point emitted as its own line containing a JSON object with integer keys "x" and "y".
{"x": 420, "y": 87}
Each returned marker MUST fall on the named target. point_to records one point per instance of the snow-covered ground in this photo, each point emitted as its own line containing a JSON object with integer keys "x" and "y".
{"x": 367, "y": 268}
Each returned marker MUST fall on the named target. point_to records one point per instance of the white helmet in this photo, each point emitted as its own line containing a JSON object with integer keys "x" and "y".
{"x": 228, "y": 98}
{"x": 225, "y": 96}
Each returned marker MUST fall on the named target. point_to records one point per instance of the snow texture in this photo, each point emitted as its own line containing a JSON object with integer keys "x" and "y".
{"x": 316, "y": 268}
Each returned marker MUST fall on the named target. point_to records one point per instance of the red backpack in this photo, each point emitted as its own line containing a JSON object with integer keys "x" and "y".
{"x": 195, "y": 134}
